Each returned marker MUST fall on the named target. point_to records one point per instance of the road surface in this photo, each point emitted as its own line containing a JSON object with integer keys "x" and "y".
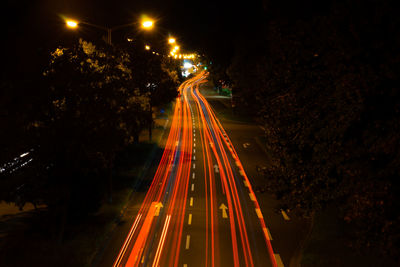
{"x": 200, "y": 209}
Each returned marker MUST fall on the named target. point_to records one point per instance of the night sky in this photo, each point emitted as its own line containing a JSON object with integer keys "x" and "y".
{"x": 207, "y": 27}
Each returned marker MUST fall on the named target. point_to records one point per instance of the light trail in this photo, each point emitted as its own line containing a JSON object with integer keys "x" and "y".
{"x": 158, "y": 238}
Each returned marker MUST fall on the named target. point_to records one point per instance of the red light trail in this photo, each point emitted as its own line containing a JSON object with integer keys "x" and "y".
{"x": 155, "y": 238}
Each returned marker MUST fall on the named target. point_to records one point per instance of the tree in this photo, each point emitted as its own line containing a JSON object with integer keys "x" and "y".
{"x": 90, "y": 110}
{"x": 329, "y": 100}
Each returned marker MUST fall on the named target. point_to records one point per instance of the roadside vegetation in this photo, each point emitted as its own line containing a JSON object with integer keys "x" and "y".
{"x": 86, "y": 109}
{"x": 323, "y": 81}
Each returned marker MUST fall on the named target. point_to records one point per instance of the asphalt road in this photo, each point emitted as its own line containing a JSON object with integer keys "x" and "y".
{"x": 201, "y": 208}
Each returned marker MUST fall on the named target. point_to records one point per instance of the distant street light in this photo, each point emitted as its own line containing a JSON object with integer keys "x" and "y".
{"x": 147, "y": 24}
{"x": 171, "y": 40}
{"x": 147, "y": 47}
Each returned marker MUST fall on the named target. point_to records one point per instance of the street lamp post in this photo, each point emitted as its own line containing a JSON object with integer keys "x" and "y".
{"x": 146, "y": 24}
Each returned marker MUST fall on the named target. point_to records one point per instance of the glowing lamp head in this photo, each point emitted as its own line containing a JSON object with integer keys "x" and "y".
{"x": 171, "y": 40}
{"x": 71, "y": 24}
{"x": 147, "y": 47}
{"x": 147, "y": 24}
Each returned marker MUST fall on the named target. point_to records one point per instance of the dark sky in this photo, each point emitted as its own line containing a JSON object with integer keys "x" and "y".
{"x": 204, "y": 26}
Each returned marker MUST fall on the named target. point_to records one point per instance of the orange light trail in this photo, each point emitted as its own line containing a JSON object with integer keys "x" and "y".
{"x": 170, "y": 188}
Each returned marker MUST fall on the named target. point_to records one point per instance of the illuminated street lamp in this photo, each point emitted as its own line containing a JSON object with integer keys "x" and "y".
{"x": 171, "y": 40}
{"x": 146, "y": 24}
{"x": 147, "y": 47}
{"x": 71, "y": 23}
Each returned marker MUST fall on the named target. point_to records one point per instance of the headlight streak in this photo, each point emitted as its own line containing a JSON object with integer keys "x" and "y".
{"x": 224, "y": 183}
{"x": 155, "y": 192}
{"x": 170, "y": 187}
{"x": 222, "y": 134}
{"x": 229, "y": 184}
{"x": 208, "y": 168}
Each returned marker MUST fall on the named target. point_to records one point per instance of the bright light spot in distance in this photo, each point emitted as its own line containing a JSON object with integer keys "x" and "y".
{"x": 187, "y": 65}
{"x": 71, "y": 23}
{"x": 147, "y": 24}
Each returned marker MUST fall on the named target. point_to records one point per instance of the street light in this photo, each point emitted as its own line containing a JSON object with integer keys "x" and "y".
{"x": 171, "y": 40}
{"x": 71, "y": 23}
{"x": 146, "y": 24}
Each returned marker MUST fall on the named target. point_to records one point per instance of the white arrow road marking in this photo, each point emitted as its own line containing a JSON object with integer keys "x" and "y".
{"x": 216, "y": 168}
{"x": 223, "y": 208}
{"x": 158, "y": 206}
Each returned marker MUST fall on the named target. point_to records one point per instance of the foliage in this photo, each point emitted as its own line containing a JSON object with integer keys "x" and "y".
{"x": 88, "y": 109}
{"x": 328, "y": 95}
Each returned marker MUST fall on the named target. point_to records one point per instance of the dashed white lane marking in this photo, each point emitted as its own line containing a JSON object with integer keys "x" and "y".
{"x": 278, "y": 260}
{"x": 192, "y": 187}
{"x": 194, "y": 165}
{"x": 259, "y": 214}
{"x": 194, "y": 150}
{"x": 252, "y": 197}
{"x": 194, "y": 139}
{"x": 194, "y": 144}
{"x": 185, "y": 265}
{"x": 193, "y": 176}
{"x": 187, "y": 241}
{"x": 190, "y": 219}
{"x": 241, "y": 172}
{"x": 285, "y": 216}
{"x": 267, "y": 233}
{"x": 245, "y": 183}
{"x": 191, "y": 202}
{"x": 194, "y": 157}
